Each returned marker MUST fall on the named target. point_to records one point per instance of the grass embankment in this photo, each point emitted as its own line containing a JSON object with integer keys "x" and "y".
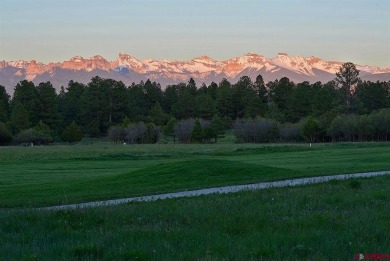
{"x": 331, "y": 221}
{"x": 41, "y": 176}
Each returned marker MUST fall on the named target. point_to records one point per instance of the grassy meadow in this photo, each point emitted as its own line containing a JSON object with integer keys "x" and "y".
{"x": 62, "y": 174}
{"x": 330, "y": 221}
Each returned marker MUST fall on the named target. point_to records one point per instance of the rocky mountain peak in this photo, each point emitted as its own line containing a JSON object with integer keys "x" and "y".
{"x": 201, "y": 68}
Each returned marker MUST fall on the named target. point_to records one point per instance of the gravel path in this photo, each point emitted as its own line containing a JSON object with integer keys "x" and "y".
{"x": 221, "y": 190}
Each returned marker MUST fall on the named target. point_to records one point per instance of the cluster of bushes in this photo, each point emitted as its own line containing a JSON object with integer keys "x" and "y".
{"x": 369, "y": 127}
{"x": 345, "y": 127}
{"x": 199, "y": 130}
{"x": 185, "y": 131}
{"x": 139, "y": 133}
{"x": 256, "y": 130}
{"x": 40, "y": 134}
{"x": 37, "y": 135}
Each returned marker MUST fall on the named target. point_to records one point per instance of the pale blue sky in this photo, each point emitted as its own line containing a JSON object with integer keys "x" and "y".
{"x": 51, "y": 30}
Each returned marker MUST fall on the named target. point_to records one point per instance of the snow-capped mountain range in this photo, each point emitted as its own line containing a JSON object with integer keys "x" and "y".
{"x": 203, "y": 69}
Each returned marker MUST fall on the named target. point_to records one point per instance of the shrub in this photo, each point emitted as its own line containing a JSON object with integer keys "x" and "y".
{"x": 197, "y": 132}
{"x": 183, "y": 130}
{"x": 152, "y": 133}
{"x": 33, "y": 136}
{"x": 135, "y": 133}
{"x": 291, "y": 132}
{"x": 169, "y": 128}
{"x": 116, "y": 134}
{"x": 142, "y": 133}
{"x": 310, "y": 130}
{"x": 256, "y": 130}
{"x": 72, "y": 133}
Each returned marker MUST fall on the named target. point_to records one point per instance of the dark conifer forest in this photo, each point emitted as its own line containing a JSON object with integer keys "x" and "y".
{"x": 345, "y": 109}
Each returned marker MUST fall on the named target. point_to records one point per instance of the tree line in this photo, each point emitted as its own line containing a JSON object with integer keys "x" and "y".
{"x": 143, "y": 112}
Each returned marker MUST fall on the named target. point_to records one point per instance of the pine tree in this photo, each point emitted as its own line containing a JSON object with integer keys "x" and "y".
{"x": 5, "y": 134}
{"x": 4, "y": 104}
{"x": 27, "y": 95}
{"x": 205, "y": 106}
{"x": 158, "y": 115}
{"x": 347, "y": 77}
{"x": 19, "y": 119}
{"x": 224, "y": 99}
{"x": 70, "y": 102}
{"x": 48, "y": 105}
{"x": 95, "y": 107}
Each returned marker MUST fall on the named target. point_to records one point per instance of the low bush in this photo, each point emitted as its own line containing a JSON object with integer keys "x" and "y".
{"x": 72, "y": 133}
{"x": 33, "y": 136}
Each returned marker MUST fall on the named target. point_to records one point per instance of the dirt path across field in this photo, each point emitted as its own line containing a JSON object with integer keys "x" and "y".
{"x": 221, "y": 190}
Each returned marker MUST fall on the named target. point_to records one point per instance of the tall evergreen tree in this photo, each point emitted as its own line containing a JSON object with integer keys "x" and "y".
{"x": 158, "y": 115}
{"x": 95, "y": 107}
{"x": 27, "y": 95}
{"x": 224, "y": 99}
{"x": 137, "y": 102}
{"x": 19, "y": 119}
{"x": 103, "y": 103}
{"x": 372, "y": 95}
{"x": 205, "y": 106}
{"x": 261, "y": 89}
{"x": 325, "y": 99}
{"x": 153, "y": 93}
{"x": 347, "y": 77}
{"x": 48, "y": 105}
{"x": 212, "y": 90}
{"x": 262, "y": 94}
{"x": 191, "y": 86}
{"x": 4, "y": 105}
{"x": 5, "y": 134}
{"x": 243, "y": 91}
{"x": 70, "y": 103}
{"x": 185, "y": 107}
{"x": 118, "y": 107}
{"x": 300, "y": 103}
{"x": 170, "y": 96}
{"x": 280, "y": 93}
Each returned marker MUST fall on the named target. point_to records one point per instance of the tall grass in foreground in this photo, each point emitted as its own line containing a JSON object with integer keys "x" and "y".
{"x": 331, "y": 221}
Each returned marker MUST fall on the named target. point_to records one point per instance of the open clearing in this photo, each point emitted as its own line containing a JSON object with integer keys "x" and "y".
{"x": 57, "y": 175}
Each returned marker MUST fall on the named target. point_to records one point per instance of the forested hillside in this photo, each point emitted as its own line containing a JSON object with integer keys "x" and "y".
{"x": 281, "y": 110}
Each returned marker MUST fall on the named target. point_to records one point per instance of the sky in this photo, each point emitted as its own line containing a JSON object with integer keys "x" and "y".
{"x": 55, "y": 30}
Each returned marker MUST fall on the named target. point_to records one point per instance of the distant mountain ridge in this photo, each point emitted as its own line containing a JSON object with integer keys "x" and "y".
{"x": 203, "y": 69}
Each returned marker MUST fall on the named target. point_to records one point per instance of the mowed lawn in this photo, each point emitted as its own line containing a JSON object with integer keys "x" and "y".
{"x": 330, "y": 221}
{"x": 61, "y": 174}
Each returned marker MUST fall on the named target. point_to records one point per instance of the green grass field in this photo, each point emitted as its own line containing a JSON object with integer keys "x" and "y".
{"x": 331, "y": 221}
{"x": 61, "y": 174}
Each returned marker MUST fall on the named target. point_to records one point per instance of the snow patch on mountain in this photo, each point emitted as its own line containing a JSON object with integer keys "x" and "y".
{"x": 201, "y": 68}
{"x": 293, "y": 63}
